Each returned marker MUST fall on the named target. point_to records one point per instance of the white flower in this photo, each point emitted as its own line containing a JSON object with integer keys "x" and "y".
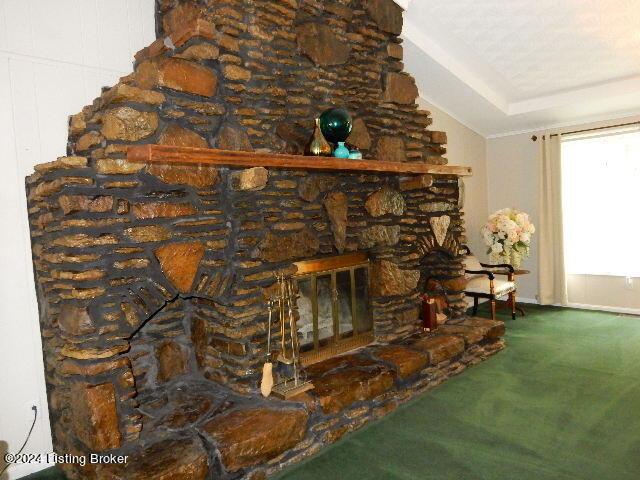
{"x": 505, "y": 230}
{"x": 521, "y": 218}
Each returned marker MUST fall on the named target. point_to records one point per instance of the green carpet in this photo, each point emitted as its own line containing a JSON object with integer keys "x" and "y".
{"x": 562, "y": 401}
{"x": 52, "y": 473}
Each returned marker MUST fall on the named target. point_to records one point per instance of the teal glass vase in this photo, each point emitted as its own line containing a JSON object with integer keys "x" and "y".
{"x": 341, "y": 151}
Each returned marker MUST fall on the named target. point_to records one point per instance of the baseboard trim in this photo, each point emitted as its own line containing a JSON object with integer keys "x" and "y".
{"x": 527, "y": 300}
{"x": 604, "y": 308}
{"x": 580, "y": 306}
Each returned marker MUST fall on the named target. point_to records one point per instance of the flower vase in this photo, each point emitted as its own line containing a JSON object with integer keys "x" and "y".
{"x": 341, "y": 151}
{"x": 515, "y": 260}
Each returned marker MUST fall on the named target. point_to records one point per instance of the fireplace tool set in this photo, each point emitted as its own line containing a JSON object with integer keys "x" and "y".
{"x": 285, "y": 304}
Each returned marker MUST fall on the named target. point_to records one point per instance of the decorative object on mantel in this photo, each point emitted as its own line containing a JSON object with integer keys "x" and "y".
{"x": 354, "y": 153}
{"x": 318, "y": 146}
{"x": 341, "y": 151}
{"x": 507, "y": 233}
{"x": 336, "y": 125}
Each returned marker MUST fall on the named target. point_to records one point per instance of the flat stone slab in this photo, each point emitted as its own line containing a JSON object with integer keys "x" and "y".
{"x": 406, "y": 361}
{"x": 336, "y": 363}
{"x": 471, "y": 335}
{"x": 175, "y": 459}
{"x": 343, "y": 381}
{"x": 473, "y": 330}
{"x": 493, "y": 329}
{"x": 182, "y": 406}
{"x": 440, "y": 347}
{"x": 252, "y": 436}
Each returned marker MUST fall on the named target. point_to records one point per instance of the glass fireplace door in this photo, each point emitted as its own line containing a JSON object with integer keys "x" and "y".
{"x": 333, "y": 305}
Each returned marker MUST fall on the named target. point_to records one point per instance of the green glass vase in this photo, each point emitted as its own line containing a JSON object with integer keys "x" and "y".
{"x": 335, "y": 124}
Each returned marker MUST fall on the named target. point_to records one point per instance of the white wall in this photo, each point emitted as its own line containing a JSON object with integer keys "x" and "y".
{"x": 466, "y": 147}
{"x": 513, "y": 182}
{"x": 55, "y": 55}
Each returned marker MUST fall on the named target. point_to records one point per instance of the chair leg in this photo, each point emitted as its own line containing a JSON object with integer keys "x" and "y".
{"x": 512, "y": 301}
{"x": 475, "y": 306}
{"x": 493, "y": 308}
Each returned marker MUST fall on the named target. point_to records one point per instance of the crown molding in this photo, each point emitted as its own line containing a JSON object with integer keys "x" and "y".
{"x": 582, "y": 123}
{"x": 611, "y": 89}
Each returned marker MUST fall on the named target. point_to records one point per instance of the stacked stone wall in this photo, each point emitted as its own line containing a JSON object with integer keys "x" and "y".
{"x": 151, "y": 274}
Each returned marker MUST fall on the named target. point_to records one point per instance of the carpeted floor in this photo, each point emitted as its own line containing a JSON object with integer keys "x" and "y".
{"x": 561, "y": 402}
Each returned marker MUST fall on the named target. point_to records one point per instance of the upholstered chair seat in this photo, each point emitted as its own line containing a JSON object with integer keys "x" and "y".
{"x": 481, "y": 284}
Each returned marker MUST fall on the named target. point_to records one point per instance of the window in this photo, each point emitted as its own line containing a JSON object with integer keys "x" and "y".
{"x": 601, "y": 203}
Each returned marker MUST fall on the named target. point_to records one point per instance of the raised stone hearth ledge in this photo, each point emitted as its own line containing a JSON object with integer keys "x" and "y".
{"x": 209, "y": 156}
{"x": 199, "y": 429}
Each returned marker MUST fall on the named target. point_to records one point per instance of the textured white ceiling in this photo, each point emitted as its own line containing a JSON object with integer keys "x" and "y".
{"x": 546, "y": 46}
{"x": 526, "y": 56}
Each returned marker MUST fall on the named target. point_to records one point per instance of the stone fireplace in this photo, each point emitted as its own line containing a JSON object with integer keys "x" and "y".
{"x": 152, "y": 278}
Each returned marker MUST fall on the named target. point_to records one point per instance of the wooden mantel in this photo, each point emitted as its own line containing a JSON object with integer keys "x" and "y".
{"x": 210, "y": 156}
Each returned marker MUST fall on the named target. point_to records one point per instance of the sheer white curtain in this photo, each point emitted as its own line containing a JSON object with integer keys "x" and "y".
{"x": 551, "y": 264}
{"x": 601, "y": 200}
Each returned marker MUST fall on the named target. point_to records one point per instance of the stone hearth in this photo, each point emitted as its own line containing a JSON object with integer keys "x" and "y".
{"x": 152, "y": 278}
{"x": 195, "y": 428}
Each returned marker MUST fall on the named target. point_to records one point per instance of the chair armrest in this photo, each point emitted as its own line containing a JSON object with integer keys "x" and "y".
{"x": 499, "y": 265}
{"x": 482, "y": 272}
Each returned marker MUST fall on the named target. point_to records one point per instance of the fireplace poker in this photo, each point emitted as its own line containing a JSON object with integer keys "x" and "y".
{"x": 282, "y": 356}
{"x": 294, "y": 330}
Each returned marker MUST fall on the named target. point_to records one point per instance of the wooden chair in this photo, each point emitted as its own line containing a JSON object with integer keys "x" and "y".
{"x": 482, "y": 282}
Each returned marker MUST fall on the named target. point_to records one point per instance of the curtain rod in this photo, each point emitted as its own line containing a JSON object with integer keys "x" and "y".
{"x": 534, "y": 137}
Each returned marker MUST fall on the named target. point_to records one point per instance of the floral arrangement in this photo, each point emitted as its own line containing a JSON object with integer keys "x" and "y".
{"x": 507, "y": 233}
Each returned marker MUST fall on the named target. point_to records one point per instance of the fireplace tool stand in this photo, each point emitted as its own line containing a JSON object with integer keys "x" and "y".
{"x": 285, "y": 302}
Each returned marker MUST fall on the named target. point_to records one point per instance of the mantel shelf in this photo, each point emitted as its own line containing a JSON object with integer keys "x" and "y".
{"x": 209, "y": 156}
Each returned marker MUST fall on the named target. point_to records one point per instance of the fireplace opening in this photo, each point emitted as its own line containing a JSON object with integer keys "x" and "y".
{"x": 334, "y": 306}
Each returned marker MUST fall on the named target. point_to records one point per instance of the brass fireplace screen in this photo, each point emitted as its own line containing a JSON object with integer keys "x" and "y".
{"x": 333, "y": 303}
